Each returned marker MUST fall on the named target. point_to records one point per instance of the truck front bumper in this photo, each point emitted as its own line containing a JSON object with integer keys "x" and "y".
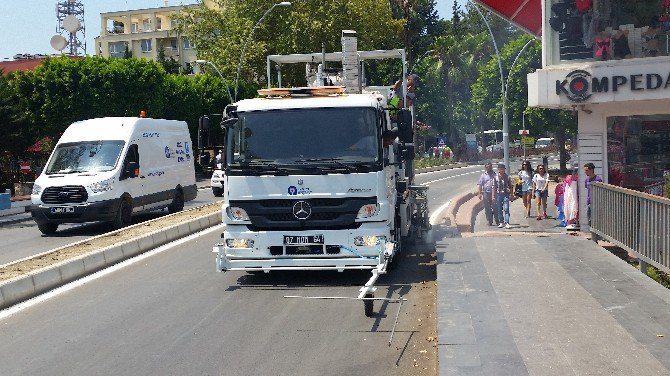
{"x": 268, "y": 251}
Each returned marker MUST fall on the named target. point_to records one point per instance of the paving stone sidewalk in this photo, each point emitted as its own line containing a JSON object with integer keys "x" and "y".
{"x": 534, "y": 300}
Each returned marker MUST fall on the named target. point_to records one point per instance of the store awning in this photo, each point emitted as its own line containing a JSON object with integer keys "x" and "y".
{"x": 527, "y": 14}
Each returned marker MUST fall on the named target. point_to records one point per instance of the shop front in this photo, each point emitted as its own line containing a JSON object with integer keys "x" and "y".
{"x": 620, "y": 88}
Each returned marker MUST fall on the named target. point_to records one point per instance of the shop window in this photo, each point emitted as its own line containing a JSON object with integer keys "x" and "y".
{"x": 610, "y": 29}
{"x": 638, "y": 152}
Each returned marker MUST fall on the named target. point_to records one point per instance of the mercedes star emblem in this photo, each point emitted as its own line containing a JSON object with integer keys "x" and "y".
{"x": 302, "y": 210}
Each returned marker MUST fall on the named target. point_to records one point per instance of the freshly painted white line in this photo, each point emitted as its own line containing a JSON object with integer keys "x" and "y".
{"x": 436, "y": 214}
{"x": 74, "y": 284}
{"x": 451, "y": 177}
{"x": 450, "y": 169}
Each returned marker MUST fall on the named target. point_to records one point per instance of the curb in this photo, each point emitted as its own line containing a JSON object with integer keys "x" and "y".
{"x": 37, "y": 282}
{"x": 440, "y": 168}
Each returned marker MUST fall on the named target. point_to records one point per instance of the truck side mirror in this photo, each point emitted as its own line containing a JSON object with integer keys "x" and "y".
{"x": 228, "y": 123}
{"x": 405, "y": 131}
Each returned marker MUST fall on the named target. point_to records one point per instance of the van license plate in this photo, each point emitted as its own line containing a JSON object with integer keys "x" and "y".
{"x": 62, "y": 210}
{"x": 294, "y": 240}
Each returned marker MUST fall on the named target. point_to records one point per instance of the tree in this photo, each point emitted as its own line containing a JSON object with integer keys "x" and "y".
{"x": 170, "y": 65}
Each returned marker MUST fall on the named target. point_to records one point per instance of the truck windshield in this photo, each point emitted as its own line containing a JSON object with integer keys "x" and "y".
{"x": 305, "y": 136}
{"x": 87, "y": 156}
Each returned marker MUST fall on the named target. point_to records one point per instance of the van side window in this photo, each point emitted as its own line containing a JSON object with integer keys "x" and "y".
{"x": 132, "y": 156}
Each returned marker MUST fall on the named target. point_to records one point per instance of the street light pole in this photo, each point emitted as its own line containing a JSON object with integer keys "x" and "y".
{"x": 220, "y": 75}
{"x": 246, "y": 43}
{"x": 503, "y": 85}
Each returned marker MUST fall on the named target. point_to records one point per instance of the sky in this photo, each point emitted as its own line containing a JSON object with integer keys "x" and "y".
{"x": 26, "y": 26}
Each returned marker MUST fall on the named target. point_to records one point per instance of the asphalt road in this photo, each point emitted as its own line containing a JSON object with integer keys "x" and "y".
{"x": 168, "y": 312}
{"x": 23, "y": 239}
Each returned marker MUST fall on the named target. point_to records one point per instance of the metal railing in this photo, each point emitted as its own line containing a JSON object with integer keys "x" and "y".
{"x": 636, "y": 221}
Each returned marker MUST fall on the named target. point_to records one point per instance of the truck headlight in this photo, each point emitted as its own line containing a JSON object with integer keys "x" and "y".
{"x": 239, "y": 243}
{"x": 369, "y": 241}
{"x": 36, "y": 189}
{"x": 238, "y": 214}
{"x": 367, "y": 211}
{"x": 102, "y": 186}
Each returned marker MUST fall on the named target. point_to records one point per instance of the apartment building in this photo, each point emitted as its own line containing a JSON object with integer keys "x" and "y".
{"x": 143, "y": 33}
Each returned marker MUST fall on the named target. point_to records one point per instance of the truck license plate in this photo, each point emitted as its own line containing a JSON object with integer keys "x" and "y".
{"x": 62, "y": 210}
{"x": 311, "y": 239}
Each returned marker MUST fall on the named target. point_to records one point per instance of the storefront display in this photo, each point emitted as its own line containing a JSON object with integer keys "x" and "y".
{"x": 638, "y": 152}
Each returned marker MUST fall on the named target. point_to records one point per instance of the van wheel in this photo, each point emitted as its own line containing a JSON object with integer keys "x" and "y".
{"x": 124, "y": 217}
{"x": 177, "y": 204}
{"x": 218, "y": 192}
{"x": 48, "y": 228}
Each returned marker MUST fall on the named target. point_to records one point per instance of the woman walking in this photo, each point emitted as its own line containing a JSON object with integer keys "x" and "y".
{"x": 541, "y": 190}
{"x": 526, "y": 178}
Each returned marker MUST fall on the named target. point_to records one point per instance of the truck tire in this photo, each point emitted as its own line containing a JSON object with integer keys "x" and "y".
{"x": 48, "y": 228}
{"x": 177, "y": 204}
{"x": 124, "y": 217}
{"x": 368, "y": 305}
{"x": 218, "y": 192}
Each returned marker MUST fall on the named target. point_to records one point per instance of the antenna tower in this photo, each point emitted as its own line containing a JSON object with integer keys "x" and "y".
{"x": 70, "y": 15}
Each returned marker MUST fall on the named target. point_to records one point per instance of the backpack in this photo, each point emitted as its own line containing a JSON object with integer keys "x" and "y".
{"x": 583, "y": 5}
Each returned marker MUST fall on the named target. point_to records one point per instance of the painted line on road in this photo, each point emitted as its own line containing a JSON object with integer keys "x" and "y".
{"x": 436, "y": 214}
{"x": 450, "y": 177}
{"x": 449, "y": 169}
{"x": 74, "y": 284}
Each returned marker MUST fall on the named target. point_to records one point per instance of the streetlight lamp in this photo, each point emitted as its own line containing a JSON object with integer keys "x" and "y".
{"x": 220, "y": 75}
{"x": 246, "y": 43}
{"x": 503, "y": 85}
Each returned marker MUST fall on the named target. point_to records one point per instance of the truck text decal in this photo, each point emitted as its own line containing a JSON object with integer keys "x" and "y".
{"x": 151, "y": 134}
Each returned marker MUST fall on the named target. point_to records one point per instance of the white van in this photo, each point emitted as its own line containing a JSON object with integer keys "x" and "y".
{"x": 109, "y": 168}
{"x": 542, "y": 143}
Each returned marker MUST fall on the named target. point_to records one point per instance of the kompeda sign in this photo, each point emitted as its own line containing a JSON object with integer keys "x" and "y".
{"x": 580, "y": 85}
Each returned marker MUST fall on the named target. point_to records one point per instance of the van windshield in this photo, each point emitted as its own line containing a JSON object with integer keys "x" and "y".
{"x": 86, "y": 156}
{"x": 301, "y": 137}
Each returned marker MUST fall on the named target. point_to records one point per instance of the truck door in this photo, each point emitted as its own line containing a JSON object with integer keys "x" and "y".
{"x": 131, "y": 179}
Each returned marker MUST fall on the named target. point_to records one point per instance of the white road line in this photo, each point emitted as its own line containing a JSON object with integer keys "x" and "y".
{"x": 74, "y": 284}
{"x": 450, "y": 177}
{"x": 436, "y": 214}
{"x": 449, "y": 169}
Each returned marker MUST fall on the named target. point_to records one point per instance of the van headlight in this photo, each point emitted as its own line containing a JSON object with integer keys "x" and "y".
{"x": 36, "y": 189}
{"x": 369, "y": 241}
{"x": 102, "y": 186}
{"x": 238, "y": 214}
{"x": 367, "y": 211}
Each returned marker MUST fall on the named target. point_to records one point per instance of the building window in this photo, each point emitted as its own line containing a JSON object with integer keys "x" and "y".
{"x": 187, "y": 44}
{"x": 135, "y": 28}
{"x": 117, "y": 48}
{"x": 172, "y": 44}
{"x": 638, "y": 152}
{"x": 173, "y": 24}
{"x": 146, "y": 24}
{"x": 608, "y": 29}
{"x": 159, "y": 23}
{"x": 146, "y": 45}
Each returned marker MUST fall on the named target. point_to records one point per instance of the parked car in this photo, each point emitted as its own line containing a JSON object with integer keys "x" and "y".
{"x": 542, "y": 143}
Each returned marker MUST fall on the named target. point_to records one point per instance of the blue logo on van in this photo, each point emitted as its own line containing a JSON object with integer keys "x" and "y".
{"x": 292, "y": 190}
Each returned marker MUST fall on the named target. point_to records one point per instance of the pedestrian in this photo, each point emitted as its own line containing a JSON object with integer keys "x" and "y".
{"x": 526, "y": 178}
{"x": 559, "y": 192}
{"x": 502, "y": 187}
{"x": 485, "y": 186}
{"x": 541, "y": 190}
{"x": 590, "y": 171}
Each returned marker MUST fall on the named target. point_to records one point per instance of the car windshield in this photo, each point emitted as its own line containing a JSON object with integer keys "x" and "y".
{"x": 88, "y": 156}
{"x": 334, "y": 136}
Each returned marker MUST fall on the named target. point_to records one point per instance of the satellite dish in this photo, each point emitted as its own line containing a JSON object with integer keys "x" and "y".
{"x": 71, "y": 23}
{"x": 58, "y": 42}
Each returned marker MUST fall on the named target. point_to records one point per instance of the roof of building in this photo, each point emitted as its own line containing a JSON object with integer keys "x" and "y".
{"x": 527, "y": 14}
{"x": 19, "y": 65}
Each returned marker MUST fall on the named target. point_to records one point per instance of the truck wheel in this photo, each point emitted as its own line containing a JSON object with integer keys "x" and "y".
{"x": 218, "y": 192}
{"x": 177, "y": 204}
{"x": 48, "y": 228}
{"x": 368, "y": 304}
{"x": 124, "y": 217}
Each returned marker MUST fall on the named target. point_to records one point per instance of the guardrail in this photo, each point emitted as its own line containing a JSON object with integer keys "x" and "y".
{"x": 636, "y": 221}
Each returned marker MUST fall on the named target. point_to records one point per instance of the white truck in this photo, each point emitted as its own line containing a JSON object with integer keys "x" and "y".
{"x": 319, "y": 178}
{"x": 106, "y": 169}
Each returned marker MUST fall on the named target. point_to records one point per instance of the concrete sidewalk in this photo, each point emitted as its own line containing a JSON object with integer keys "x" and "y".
{"x": 534, "y": 300}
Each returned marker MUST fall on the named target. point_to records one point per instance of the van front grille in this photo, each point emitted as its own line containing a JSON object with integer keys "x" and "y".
{"x": 68, "y": 194}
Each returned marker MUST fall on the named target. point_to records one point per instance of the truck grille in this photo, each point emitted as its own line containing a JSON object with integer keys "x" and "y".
{"x": 73, "y": 194}
{"x": 326, "y": 213}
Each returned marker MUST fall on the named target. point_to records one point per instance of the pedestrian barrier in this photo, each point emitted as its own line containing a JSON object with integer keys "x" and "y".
{"x": 636, "y": 221}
